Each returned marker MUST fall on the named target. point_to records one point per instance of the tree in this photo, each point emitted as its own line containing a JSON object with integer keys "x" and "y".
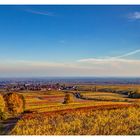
{"x": 68, "y": 98}
{"x": 15, "y": 103}
{"x": 3, "y": 114}
{"x": 2, "y": 103}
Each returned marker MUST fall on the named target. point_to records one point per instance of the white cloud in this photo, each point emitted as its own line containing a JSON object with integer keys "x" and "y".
{"x": 115, "y": 66}
{"x": 135, "y": 15}
{"x": 45, "y": 13}
{"x": 108, "y": 66}
{"x": 128, "y": 54}
{"x": 39, "y": 68}
{"x": 109, "y": 59}
{"x": 101, "y": 67}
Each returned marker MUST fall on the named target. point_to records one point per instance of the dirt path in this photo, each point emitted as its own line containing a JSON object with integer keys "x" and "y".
{"x": 9, "y": 124}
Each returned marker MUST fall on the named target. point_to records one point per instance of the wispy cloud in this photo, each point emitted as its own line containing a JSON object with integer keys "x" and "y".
{"x": 40, "y": 68}
{"x": 114, "y": 66}
{"x": 108, "y": 66}
{"x": 109, "y": 59}
{"x": 44, "y": 13}
{"x": 95, "y": 67}
{"x": 134, "y": 16}
{"x": 128, "y": 54}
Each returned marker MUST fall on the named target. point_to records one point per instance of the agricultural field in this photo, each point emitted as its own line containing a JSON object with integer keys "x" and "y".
{"x": 93, "y": 113}
{"x": 53, "y": 100}
{"x": 81, "y": 122}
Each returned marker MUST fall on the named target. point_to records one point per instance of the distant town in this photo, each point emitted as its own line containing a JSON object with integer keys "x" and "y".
{"x": 17, "y": 84}
{"x": 37, "y": 87}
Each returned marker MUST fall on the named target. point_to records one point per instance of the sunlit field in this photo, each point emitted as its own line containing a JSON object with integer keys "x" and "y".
{"x": 53, "y": 100}
{"x": 124, "y": 121}
{"x": 95, "y": 113}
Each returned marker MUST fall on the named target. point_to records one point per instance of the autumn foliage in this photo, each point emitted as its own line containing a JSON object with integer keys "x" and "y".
{"x": 68, "y": 98}
{"x": 2, "y": 103}
{"x": 14, "y": 103}
{"x": 121, "y": 121}
{"x": 2, "y": 108}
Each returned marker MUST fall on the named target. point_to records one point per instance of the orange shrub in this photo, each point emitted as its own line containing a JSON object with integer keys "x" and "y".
{"x": 2, "y": 103}
{"x": 68, "y": 98}
{"x": 3, "y": 114}
{"x": 14, "y": 103}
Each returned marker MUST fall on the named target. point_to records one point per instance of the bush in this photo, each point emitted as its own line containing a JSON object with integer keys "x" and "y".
{"x": 14, "y": 103}
{"x": 2, "y": 104}
{"x": 3, "y": 114}
{"x": 68, "y": 98}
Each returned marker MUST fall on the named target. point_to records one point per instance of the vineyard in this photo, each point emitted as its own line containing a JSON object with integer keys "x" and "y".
{"x": 93, "y": 113}
{"x": 124, "y": 121}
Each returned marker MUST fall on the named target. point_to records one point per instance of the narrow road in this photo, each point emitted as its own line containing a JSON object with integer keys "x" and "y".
{"x": 8, "y": 125}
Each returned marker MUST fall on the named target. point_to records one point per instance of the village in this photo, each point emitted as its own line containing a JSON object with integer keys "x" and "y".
{"x": 38, "y": 87}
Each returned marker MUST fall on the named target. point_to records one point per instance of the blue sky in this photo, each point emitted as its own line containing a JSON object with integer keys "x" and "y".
{"x": 69, "y": 40}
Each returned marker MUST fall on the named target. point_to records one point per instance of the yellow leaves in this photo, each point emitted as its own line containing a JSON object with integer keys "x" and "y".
{"x": 100, "y": 122}
{"x": 88, "y": 122}
{"x": 68, "y": 98}
{"x": 14, "y": 102}
{"x": 2, "y": 103}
